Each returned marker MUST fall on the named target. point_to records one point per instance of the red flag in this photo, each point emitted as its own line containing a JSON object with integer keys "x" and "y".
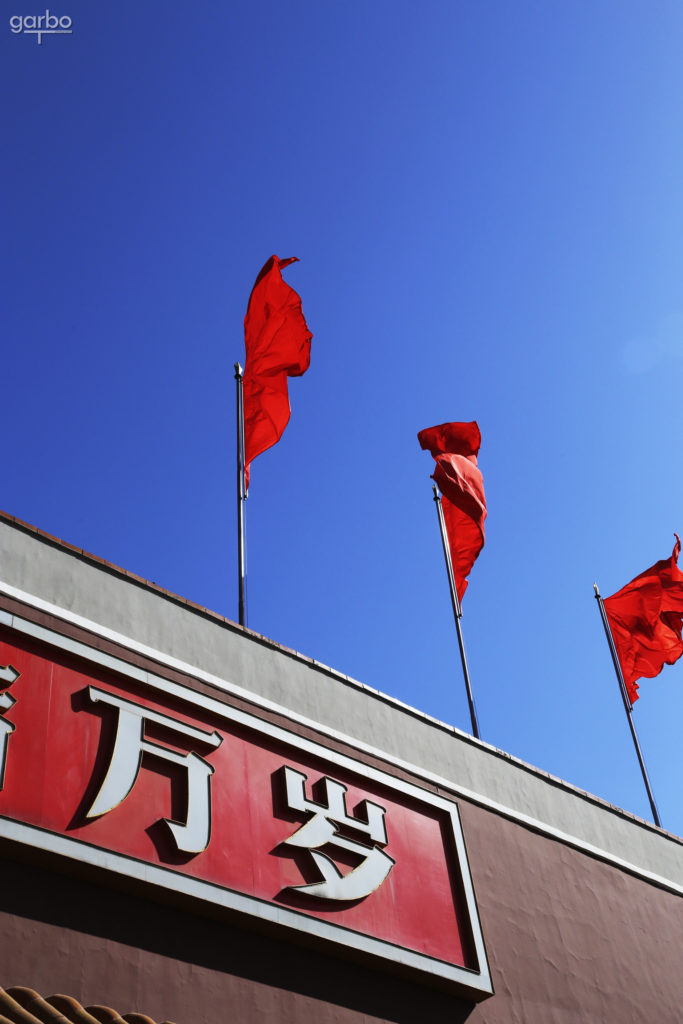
{"x": 455, "y": 447}
{"x": 278, "y": 345}
{"x": 646, "y": 618}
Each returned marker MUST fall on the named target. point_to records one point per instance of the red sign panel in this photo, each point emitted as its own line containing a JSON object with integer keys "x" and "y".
{"x": 198, "y": 796}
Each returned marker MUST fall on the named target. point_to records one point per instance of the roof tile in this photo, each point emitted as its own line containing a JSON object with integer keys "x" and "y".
{"x": 20, "y": 1005}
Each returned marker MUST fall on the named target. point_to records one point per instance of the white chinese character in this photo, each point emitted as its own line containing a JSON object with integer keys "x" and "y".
{"x": 325, "y": 828}
{"x": 193, "y": 835}
{"x": 8, "y": 675}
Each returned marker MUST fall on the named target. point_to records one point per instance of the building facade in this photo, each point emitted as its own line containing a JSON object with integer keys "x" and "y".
{"x": 197, "y": 824}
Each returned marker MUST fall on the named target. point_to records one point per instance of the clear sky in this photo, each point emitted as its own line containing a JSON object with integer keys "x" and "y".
{"x": 487, "y": 202}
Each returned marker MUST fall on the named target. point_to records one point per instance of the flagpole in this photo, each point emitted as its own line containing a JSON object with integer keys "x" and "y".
{"x": 628, "y": 706}
{"x": 241, "y": 498}
{"x": 457, "y": 612}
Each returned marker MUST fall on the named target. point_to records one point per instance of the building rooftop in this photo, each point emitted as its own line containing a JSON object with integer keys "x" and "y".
{"x": 100, "y": 600}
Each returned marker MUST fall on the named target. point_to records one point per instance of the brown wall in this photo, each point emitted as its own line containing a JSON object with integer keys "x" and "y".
{"x": 569, "y": 938}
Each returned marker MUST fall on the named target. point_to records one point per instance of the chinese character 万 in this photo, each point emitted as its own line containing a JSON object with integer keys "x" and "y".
{"x": 191, "y": 836}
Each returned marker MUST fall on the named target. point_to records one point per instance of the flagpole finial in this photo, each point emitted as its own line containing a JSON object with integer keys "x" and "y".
{"x": 436, "y": 493}
{"x": 595, "y": 588}
{"x": 238, "y": 371}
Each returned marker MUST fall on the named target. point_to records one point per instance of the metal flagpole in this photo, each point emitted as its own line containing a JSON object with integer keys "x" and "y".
{"x": 628, "y": 706}
{"x": 457, "y": 611}
{"x": 241, "y": 498}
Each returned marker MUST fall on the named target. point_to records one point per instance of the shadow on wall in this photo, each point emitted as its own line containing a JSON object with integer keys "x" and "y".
{"x": 117, "y": 949}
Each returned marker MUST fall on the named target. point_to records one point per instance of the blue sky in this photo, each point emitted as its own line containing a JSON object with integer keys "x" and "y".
{"x": 486, "y": 202}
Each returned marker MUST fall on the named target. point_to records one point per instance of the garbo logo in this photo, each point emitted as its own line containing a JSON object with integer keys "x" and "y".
{"x": 41, "y": 24}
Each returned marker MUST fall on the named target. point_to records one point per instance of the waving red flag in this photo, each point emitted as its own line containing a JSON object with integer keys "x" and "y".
{"x": 646, "y": 617}
{"x": 278, "y": 345}
{"x": 455, "y": 447}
